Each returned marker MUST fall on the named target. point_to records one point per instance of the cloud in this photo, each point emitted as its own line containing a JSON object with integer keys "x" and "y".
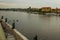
{"x": 27, "y": 3}
{"x": 3, "y": 4}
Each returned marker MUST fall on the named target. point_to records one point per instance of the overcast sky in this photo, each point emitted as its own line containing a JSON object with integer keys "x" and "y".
{"x": 27, "y": 3}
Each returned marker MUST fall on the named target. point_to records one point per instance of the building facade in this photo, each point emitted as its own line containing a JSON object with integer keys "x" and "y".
{"x": 46, "y": 9}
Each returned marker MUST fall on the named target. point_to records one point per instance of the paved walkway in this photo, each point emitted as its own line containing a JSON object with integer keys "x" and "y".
{"x": 2, "y": 35}
{"x": 11, "y": 34}
{"x": 10, "y": 37}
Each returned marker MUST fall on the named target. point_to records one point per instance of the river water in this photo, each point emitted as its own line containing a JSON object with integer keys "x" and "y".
{"x": 30, "y": 25}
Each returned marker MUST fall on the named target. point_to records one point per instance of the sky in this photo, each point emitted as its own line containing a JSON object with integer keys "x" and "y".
{"x": 27, "y": 3}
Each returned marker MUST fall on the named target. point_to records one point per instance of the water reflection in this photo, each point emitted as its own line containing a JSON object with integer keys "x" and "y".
{"x": 47, "y": 28}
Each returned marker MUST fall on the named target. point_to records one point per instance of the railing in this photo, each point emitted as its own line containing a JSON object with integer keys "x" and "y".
{"x": 8, "y": 28}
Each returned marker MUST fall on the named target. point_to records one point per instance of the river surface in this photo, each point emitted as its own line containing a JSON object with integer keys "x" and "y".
{"x": 30, "y": 25}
